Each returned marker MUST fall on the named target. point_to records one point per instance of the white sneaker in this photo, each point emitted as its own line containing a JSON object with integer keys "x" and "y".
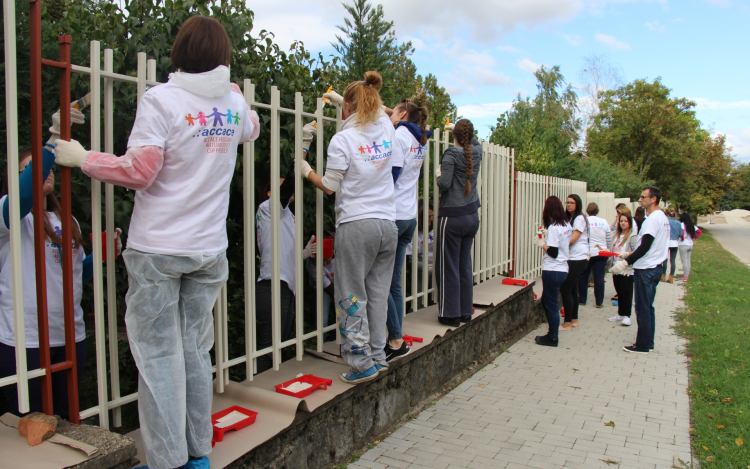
{"x": 625, "y": 321}
{"x": 616, "y": 317}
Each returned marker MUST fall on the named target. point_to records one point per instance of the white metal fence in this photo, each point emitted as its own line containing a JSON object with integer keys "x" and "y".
{"x": 606, "y": 203}
{"x": 491, "y": 253}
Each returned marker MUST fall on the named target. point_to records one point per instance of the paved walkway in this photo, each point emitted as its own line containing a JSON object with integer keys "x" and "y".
{"x": 549, "y": 407}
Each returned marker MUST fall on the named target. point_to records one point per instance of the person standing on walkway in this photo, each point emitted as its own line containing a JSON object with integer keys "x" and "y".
{"x": 686, "y": 244}
{"x": 359, "y": 167}
{"x": 176, "y": 255}
{"x": 458, "y": 223}
{"x": 600, "y": 240}
{"x": 626, "y": 240}
{"x": 555, "y": 240}
{"x": 577, "y": 262}
{"x": 638, "y": 217}
{"x": 408, "y": 152}
{"x": 652, "y": 250}
{"x": 675, "y": 231}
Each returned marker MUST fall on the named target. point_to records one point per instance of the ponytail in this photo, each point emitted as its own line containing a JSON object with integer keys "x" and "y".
{"x": 416, "y": 115}
{"x": 463, "y": 132}
{"x": 364, "y": 98}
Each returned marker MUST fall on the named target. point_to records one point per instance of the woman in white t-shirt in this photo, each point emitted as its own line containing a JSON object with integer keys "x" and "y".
{"x": 359, "y": 162}
{"x": 176, "y": 257}
{"x": 600, "y": 239}
{"x": 626, "y": 240}
{"x": 555, "y": 240}
{"x": 409, "y": 148}
{"x": 577, "y": 262}
{"x": 686, "y": 244}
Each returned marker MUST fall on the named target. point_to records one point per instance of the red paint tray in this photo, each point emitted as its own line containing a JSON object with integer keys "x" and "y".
{"x": 515, "y": 282}
{"x": 313, "y": 380}
{"x": 219, "y": 432}
{"x": 607, "y": 253}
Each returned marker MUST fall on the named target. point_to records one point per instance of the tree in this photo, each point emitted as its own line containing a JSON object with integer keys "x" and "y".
{"x": 597, "y": 76}
{"x": 430, "y": 94}
{"x": 542, "y": 131}
{"x": 739, "y": 194}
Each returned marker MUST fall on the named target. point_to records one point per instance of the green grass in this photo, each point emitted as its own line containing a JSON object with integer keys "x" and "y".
{"x": 716, "y": 323}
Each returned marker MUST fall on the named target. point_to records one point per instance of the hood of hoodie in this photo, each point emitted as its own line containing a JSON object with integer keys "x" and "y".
{"x": 211, "y": 84}
{"x": 414, "y": 129}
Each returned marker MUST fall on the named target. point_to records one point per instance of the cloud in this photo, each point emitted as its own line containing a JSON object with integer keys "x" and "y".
{"x": 703, "y": 103}
{"x": 611, "y": 42}
{"x": 573, "y": 39}
{"x": 739, "y": 139}
{"x": 508, "y": 49}
{"x": 469, "y": 79}
{"x": 656, "y": 27}
{"x": 528, "y": 66}
{"x": 480, "y": 111}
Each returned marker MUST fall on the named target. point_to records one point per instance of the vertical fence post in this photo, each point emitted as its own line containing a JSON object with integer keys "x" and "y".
{"x": 275, "y": 231}
{"x": 299, "y": 223}
{"x": 320, "y": 139}
{"x": 514, "y": 255}
{"x": 248, "y": 220}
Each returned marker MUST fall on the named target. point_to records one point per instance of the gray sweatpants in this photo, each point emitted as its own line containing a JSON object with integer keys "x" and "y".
{"x": 365, "y": 252}
{"x": 170, "y": 328}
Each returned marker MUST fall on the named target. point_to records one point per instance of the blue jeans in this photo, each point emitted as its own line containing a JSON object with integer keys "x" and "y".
{"x": 395, "y": 297}
{"x": 598, "y": 264}
{"x": 645, "y": 282}
{"x": 551, "y": 281}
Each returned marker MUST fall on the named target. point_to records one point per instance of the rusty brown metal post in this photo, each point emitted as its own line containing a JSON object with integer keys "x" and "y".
{"x": 512, "y": 272}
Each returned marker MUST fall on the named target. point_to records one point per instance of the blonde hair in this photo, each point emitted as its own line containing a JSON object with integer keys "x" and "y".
{"x": 364, "y": 98}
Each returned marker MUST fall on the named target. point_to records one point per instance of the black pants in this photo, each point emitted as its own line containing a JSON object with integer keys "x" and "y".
{"x": 455, "y": 273}
{"x": 599, "y": 265}
{"x": 59, "y": 379}
{"x": 569, "y": 288}
{"x": 672, "y": 258}
{"x": 624, "y": 289}
{"x": 264, "y": 319}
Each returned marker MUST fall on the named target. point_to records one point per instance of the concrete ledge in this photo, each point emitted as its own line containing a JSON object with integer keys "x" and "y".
{"x": 115, "y": 450}
{"x": 330, "y": 433}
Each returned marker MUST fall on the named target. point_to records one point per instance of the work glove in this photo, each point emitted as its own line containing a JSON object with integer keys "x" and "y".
{"x": 308, "y": 134}
{"x": 438, "y": 171}
{"x": 619, "y": 268}
{"x": 305, "y": 168}
{"x": 623, "y": 255}
{"x": 311, "y": 250}
{"x": 76, "y": 117}
{"x": 69, "y": 153}
{"x": 450, "y": 126}
{"x": 334, "y": 98}
{"x": 539, "y": 241}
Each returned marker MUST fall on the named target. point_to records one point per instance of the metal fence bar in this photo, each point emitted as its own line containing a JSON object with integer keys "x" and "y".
{"x": 299, "y": 262}
{"x": 319, "y": 302}
{"x": 275, "y": 229}
{"x": 248, "y": 220}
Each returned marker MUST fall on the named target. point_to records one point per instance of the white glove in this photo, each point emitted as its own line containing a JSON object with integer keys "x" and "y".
{"x": 118, "y": 242}
{"x": 308, "y": 134}
{"x": 311, "y": 250}
{"x": 69, "y": 153}
{"x": 76, "y": 117}
{"x": 438, "y": 171}
{"x": 450, "y": 126}
{"x": 618, "y": 268}
{"x": 623, "y": 255}
{"x": 544, "y": 233}
{"x": 539, "y": 241}
{"x": 334, "y": 98}
{"x": 306, "y": 169}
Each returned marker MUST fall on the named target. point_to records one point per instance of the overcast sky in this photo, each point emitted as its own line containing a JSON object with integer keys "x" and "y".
{"x": 484, "y": 52}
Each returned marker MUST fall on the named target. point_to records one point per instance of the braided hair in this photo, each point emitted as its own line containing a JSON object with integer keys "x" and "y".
{"x": 463, "y": 132}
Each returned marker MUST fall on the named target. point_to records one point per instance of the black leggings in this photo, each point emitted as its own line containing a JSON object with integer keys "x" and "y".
{"x": 569, "y": 288}
{"x": 672, "y": 258}
{"x": 624, "y": 289}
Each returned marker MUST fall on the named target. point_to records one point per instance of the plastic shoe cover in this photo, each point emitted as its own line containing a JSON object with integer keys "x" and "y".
{"x": 354, "y": 378}
{"x": 201, "y": 463}
{"x": 615, "y": 303}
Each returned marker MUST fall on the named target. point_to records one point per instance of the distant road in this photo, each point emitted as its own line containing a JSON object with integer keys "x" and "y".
{"x": 735, "y": 235}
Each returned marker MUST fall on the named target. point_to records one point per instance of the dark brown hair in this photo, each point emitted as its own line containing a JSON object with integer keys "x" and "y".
{"x": 624, "y": 235}
{"x": 463, "y": 132}
{"x": 415, "y": 114}
{"x": 364, "y": 98}
{"x": 202, "y": 44}
{"x": 53, "y": 205}
{"x": 553, "y": 213}
{"x": 592, "y": 209}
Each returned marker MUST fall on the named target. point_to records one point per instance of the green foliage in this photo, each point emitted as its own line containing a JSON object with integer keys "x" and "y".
{"x": 602, "y": 176}
{"x": 429, "y": 93}
{"x": 739, "y": 194}
{"x": 717, "y": 328}
{"x": 543, "y": 130}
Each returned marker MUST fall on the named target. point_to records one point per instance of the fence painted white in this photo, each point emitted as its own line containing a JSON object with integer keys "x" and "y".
{"x": 606, "y": 203}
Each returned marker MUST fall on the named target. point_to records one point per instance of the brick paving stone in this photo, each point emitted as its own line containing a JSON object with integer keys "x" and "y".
{"x": 546, "y": 408}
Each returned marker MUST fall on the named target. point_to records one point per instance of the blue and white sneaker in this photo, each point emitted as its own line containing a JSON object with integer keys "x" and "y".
{"x": 381, "y": 367}
{"x": 353, "y": 377}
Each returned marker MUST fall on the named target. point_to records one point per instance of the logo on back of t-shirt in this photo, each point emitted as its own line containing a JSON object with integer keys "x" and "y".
{"x": 377, "y": 154}
{"x": 218, "y": 138}
{"x": 418, "y": 152}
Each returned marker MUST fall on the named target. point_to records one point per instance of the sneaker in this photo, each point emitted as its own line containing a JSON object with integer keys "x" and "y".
{"x": 615, "y": 298}
{"x": 615, "y": 303}
{"x": 684, "y": 279}
{"x": 466, "y": 318}
{"x": 634, "y": 349}
{"x": 616, "y": 317}
{"x": 392, "y": 353}
{"x": 353, "y": 377}
{"x": 452, "y": 322}
{"x": 380, "y": 367}
{"x": 200, "y": 463}
{"x": 600, "y": 306}
{"x": 626, "y": 320}
{"x": 545, "y": 340}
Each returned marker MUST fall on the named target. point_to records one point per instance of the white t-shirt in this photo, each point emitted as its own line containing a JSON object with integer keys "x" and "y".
{"x": 53, "y": 256}
{"x": 328, "y": 271}
{"x": 184, "y": 211}
{"x": 420, "y": 248}
{"x": 685, "y": 239}
{"x": 656, "y": 225}
{"x": 598, "y": 229}
{"x": 408, "y": 149}
{"x": 557, "y": 237}
{"x": 286, "y": 243}
{"x": 579, "y": 250}
{"x": 367, "y": 189}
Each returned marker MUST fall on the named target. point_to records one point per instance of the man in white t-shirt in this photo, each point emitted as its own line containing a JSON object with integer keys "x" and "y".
{"x": 652, "y": 250}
